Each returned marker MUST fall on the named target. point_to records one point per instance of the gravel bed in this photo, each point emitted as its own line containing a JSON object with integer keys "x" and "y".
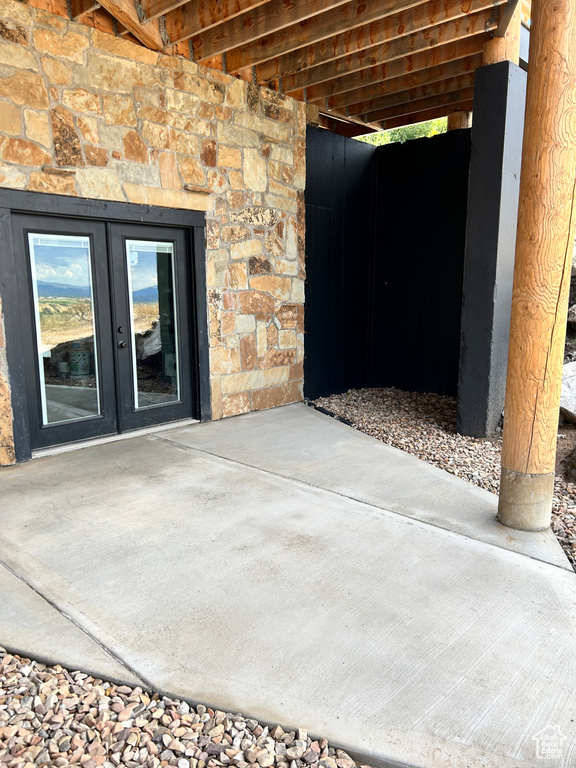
{"x": 424, "y": 425}
{"x": 52, "y": 717}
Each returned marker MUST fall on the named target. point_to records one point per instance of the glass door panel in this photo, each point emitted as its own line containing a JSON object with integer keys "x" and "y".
{"x": 61, "y": 269}
{"x": 153, "y": 326}
{"x": 67, "y": 353}
{"x": 151, "y": 301}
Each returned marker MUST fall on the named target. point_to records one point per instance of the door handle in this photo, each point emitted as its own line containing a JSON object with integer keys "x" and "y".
{"x": 122, "y": 344}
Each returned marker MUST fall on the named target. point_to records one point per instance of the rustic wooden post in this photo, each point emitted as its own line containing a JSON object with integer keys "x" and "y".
{"x": 458, "y": 120}
{"x": 546, "y": 223}
{"x": 505, "y": 45}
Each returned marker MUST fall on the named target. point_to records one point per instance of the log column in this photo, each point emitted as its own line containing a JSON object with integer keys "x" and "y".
{"x": 546, "y": 224}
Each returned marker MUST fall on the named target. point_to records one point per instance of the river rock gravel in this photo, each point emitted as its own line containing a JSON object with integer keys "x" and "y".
{"x": 52, "y": 717}
{"x": 424, "y": 425}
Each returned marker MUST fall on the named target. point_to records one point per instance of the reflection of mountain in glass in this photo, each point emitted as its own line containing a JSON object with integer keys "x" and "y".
{"x": 145, "y": 295}
{"x": 62, "y": 290}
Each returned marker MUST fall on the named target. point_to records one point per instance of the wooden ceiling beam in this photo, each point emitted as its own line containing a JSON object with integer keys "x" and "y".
{"x": 399, "y": 67}
{"x": 124, "y": 11}
{"x": 184, "y": 19}
{"x": 327, "y": 25}
{"x": 404, "y": 83}
{"x": 387, "y": 29}
{"x": 420, "y": 105}
{"x": 429, "y": 114}
{"x": 341, "y": 126}
{"x": 242, "y": 30}
{"x": 80, "y": 8}
{"x": 400, "y": 48}
{"x": 413, "y": 94}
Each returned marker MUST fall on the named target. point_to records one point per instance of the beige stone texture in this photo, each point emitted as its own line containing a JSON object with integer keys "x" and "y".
{"x": 255, "y": 173}
{"x": 7, "y": 455}
{"x": 58, "y": 72}
{"x": 246, "y": 249}
{"x": 261, "y": 338}
{"x": 228, "y": 323}
{"x": 118, "y": 110}
{"x": 291, "y": 392}
{"x": 71, "y": 46}
{"x": 233, "y": 341}
{"x": 37, "y": 126}
{"x": 297, "y": 295}
{"x": 13, "y": 55}
{"x": 12, "y": 177}
{"x": 287, "y": 339}
{"x": 81, "y": 100}
{"x": 99, "y": 184}
{"x": 119, "y": 122}
{"x": 167, "y": 198}
{"x": 217, "y": 268}
{"x": 245, "y": 323}
{"x": 24, "y": 87}
{"x": 88, "y": 128}
{"x": 57, "y": 184}
{"x": 279, "y": 287}
{"x": 96, "y": 155}
{"x": 232, "y": 405}
{"x": 22, "y": 152}
{"x": 242, "y": 382}
{"x": 237, "y": 278}
{"x": 216, "y": 397}
{"x": 223, "y": 360}
{"x": 11, "y": 120}
{"x": 120, "y": 47}
{"x": 169, "y": 171}
{"x": 228, "y": 157}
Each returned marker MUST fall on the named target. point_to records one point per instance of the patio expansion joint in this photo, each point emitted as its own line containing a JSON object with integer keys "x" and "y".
{"x": 373, "y": 507}
{"x": 54, "y": 605}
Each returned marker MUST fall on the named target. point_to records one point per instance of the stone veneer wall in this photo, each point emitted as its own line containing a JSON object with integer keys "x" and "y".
{"x": 89, "y": 114}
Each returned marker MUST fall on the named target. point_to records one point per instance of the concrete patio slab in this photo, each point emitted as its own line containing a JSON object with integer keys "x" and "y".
{"x": 225, "y": 583}
{"x": 28, "y": 619}
{"x": 303, "y": 444}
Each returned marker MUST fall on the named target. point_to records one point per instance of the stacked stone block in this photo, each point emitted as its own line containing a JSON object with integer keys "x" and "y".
{"x": 88, "y": 114}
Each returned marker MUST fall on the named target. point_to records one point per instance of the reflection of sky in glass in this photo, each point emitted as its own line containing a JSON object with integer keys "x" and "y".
{"x": 65, "y": 262}
{"x": 66, "y": 266}
{"x": 144, "y": 269}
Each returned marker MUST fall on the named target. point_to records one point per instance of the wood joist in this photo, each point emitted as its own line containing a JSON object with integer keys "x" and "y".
{"x": 362, "y": 63}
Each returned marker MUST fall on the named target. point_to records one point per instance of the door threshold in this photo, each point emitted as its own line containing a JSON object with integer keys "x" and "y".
{"x": 66, "y": 447}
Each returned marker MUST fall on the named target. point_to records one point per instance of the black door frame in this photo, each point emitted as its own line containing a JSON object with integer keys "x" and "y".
{"x": 17, "y": 201}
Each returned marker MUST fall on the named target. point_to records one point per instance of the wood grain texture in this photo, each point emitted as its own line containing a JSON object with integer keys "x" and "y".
{"x": 124, "y": 11}
{"x": 326, "y": 25}
{"x": 79, "y": 8}
{"x": 429, "y": 114}
{"x": 459, "y": 120}
{"x": 545, "y": 237}
{"x": 271, "y": 17}
{"x": 506, "y": 46}
{"x": 416, "y": 79}
{"x": 389, "y": 28}
{"x": 411, "y": 63}
{"x": 413, "y": 94}
{"x": 420, "y": 105}
{"x": 187, "y": 19}
{"x": 400, "y": 48}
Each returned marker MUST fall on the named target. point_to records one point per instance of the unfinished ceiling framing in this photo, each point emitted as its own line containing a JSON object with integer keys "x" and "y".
{"x": 365, "y": 64}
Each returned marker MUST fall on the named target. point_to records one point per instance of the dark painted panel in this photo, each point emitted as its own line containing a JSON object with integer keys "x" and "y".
{"x": 499, "y": 100}
{"x": 339, "y": 245}
{"x": 385, "y": 247}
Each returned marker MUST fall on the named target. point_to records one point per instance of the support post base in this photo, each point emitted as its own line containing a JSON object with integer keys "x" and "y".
{"x": 525, "y": 500}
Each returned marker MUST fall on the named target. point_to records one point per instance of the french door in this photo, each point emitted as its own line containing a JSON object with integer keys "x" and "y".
{"x": 105, "y": 312}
